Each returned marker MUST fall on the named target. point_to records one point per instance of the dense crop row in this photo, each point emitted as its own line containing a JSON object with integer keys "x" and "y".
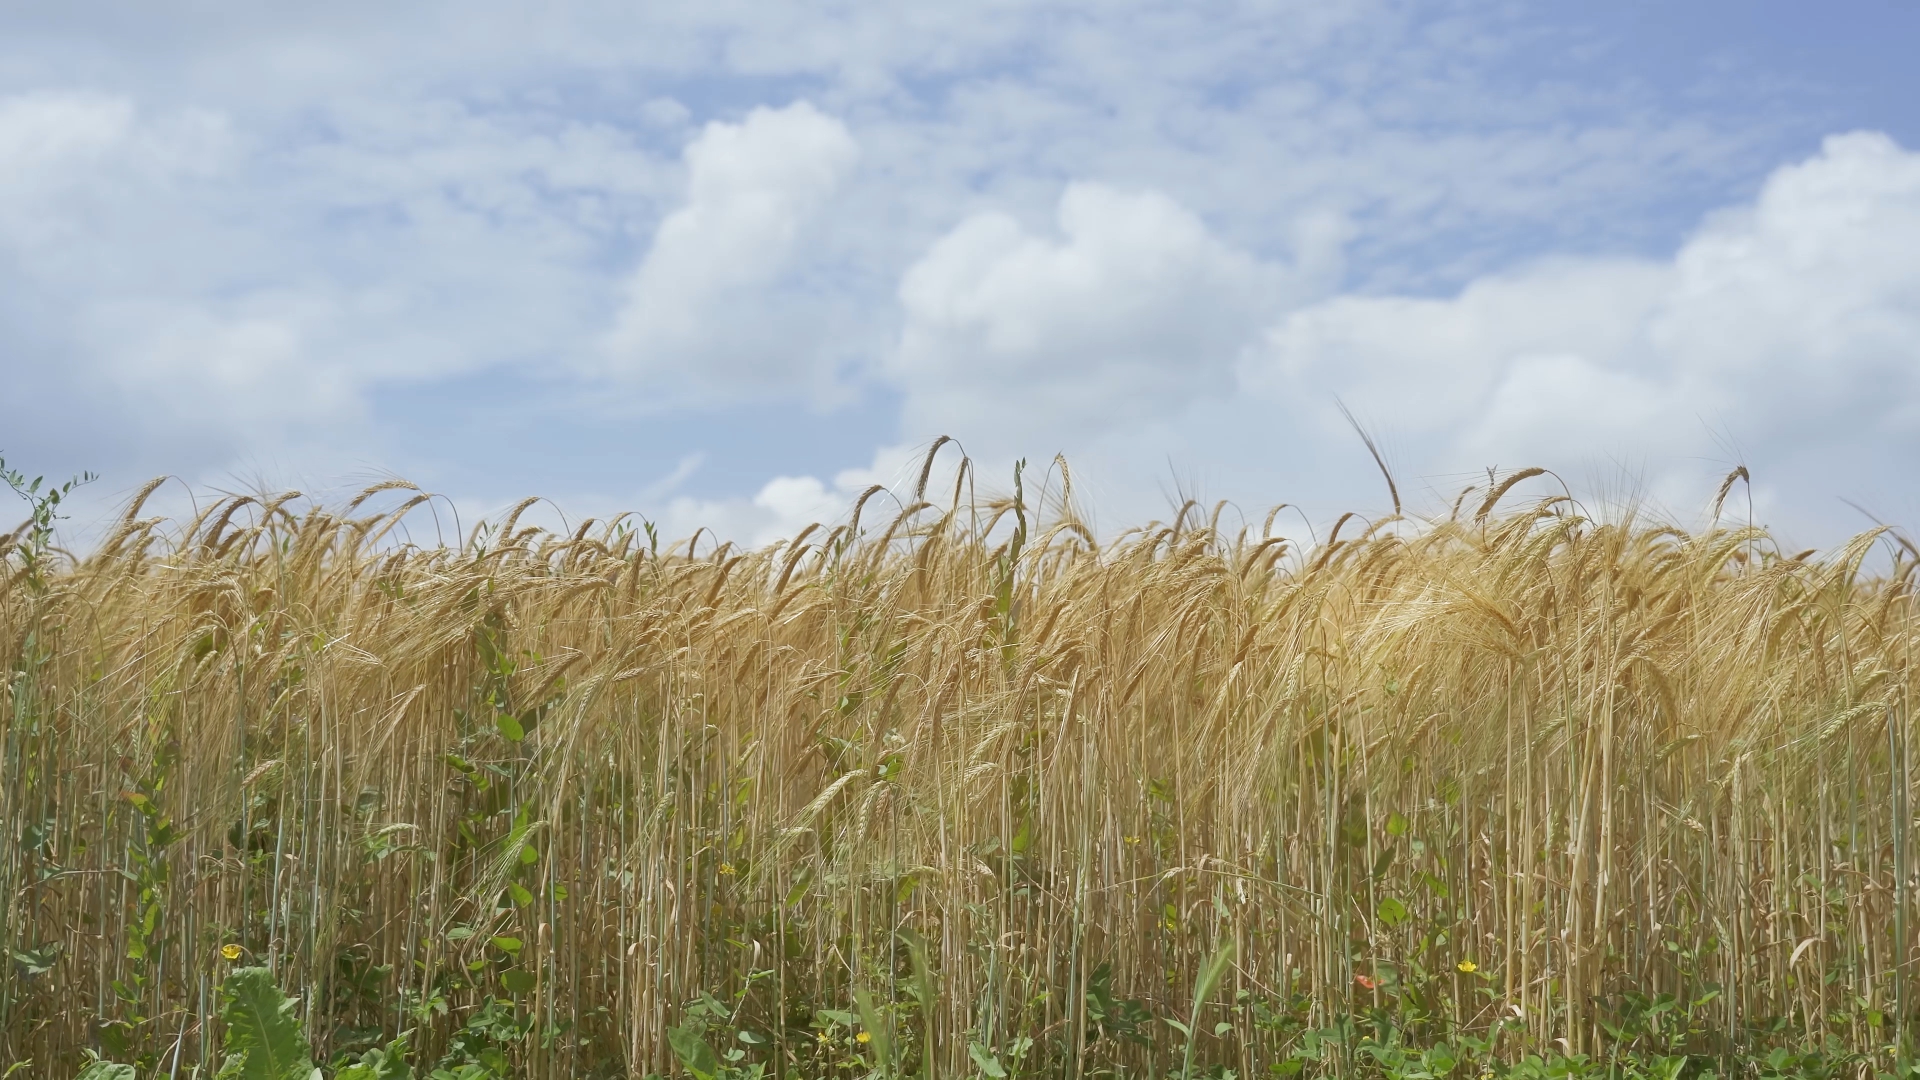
{"x": 960, "y": 791}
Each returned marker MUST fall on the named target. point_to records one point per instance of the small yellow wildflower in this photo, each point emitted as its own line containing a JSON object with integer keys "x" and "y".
{"x": 864, "y": 1037}
{"x": 726, "y": 869}
{"x": 1133, "y": 839}
{"x": 824, "y": 1038}
{"x": 1468, "y": 967}
{"x": 231, "y": 952}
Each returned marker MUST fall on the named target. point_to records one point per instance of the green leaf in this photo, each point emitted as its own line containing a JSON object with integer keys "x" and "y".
{"x": 690, "y": 1046}
{"x": 263, "y": 1040}
{"x": 389, "y": 1063}
{"x": 1216, "y": 966}
{"x": 870, "y": 1020}
{"x": 517, "y": 981}
{"x": 104, "y": 1070}
{"x": 1210, "y": 975}
{"x": 521, "y": 895}
{"x": 1396, "y": 825}
{"x": 37, "y": 961}
{"x": 510, "y": 728}
{"x": 1022, "y": 838}
{"x": 921, "y": 988}
{"x": 510, "y": 945}
{"x": 1392, "y": 912}
{"x": 988, "y": 1063}
{"x": 1384, "y": 861}
{"x": 529, "y": 855}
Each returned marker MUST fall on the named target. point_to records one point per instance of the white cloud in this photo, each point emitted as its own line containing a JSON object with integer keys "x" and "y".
{"x": 1790, "y": 327}
{"x": 1784, "y": 334}
{"x": 1132, "y": 312}
{"x": 1422, "y": 365}
{"x": 68, "y": 160}
{"x": 1807, "y": 304}
{"x": 786, "y": 504}
{"x": 703, "y": 311}
{"x": 779, "y": 510}
{"x": 48, "y": 129}
{"x": 248, "y": 371}
{"x": 200, "y": 301}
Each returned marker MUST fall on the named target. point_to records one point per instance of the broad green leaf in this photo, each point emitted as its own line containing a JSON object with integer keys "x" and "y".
{"x": 263, "y": 1040}
{"x": 510, "y": 728}
{"x": 988, "y": 1063}
{"x": 1392, "y": 912}
{"x": 511, "y": 945}
{"x": 105, "y": 1070}
{"x": 690, "y": 1046}
{"x": 870, "y": 1020}
{"x": 389, "y": 1063}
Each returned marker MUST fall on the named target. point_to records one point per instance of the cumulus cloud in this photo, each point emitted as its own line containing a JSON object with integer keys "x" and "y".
{"x": 1807, "y": 304}
{"x": 1422, "y": 365}
{"x": 779, "y": 510}
{"x": 1131, "y": 311}
{"x": 1782, "y": 334}
{"x": 1791, "y": 325}
{"x": 705, "y": 310}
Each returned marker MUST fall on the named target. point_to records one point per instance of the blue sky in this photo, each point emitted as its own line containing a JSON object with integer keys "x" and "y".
{"x": 726, "y": 264}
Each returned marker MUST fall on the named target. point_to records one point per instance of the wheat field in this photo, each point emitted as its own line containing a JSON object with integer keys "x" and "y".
{"x": 960, "y": 790}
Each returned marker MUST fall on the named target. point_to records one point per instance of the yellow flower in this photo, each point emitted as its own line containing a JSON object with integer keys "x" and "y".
{"x": 1468, "y": 967}
{"x": 726, "y": 869}
{"x": 1133, "y": 839}
{"x": 231, "y": 952}
{"x": 863, "y": 1037}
